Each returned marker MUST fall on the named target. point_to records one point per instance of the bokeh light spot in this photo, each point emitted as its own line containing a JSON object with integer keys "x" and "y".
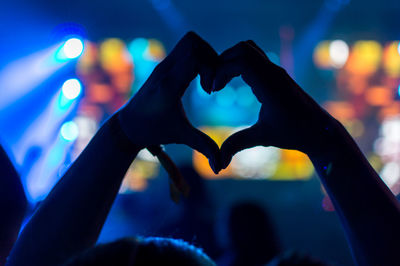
{"x": 73, "y": 48}
{"x": 69, "y": 131}
{"x": 71, "y": 89}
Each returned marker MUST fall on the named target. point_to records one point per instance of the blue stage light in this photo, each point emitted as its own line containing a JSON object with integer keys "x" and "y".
{"x": 71, "y": 49}
{"x": 71, "y": 89}
{"x": 69, "y": 131}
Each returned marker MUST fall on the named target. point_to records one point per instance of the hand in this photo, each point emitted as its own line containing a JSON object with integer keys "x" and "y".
{"x": 288, "y": 118}
{"x": 155, "y": 115}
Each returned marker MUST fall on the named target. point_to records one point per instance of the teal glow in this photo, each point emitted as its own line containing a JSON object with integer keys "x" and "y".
{"x": 226, "y": 97}
{"x": 138, "y": 47}
{"x": 245, "y": 96}
{"x": 274, "y": 58}
{"x": 199, "y": 90}
{"x": 69, "y": 131}
{"x": 63, "y": 104}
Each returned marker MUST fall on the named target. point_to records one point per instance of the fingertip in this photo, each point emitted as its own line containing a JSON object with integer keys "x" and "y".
{"x": 213, "y": 86}
{"x": 207, "y": 80}
{"x": 226, "y": 160}
{"x": 226, "y": 155}
{"x": 191, "y": 34}
{"x": 219, "y": 82}
{"x": 212, "y": 165}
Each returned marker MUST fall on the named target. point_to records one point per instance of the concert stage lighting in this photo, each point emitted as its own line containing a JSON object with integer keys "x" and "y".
{"x": 71, "y": 89}
{"x": 69, "y": 131}
{"x": 73, "y": 48}
{"x": 339, "y": 52}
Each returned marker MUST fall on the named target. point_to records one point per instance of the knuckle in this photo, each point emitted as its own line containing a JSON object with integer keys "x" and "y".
{"x": 191, "y": 35}
{"x": 251, "y": 42}
{"x": 242, "y": 45}
{"x": 246, "y": 52}
{"x": 191, "y": 40}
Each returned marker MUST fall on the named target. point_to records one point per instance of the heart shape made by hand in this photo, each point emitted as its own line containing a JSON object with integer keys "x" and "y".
{"x": 288, "y": 117}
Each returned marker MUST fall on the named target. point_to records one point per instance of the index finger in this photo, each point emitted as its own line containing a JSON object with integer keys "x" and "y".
{"x": 248, "y": 61}
{"x": 191, "y": 56}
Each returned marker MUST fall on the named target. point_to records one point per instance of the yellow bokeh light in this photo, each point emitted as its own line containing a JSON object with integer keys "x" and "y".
{"x": 294, "y": 165}
{"x": 321, "y": 56}
{"x": 290, "y": 164}
{"x": 391, "y": 59}
{"x": 114, "y": 56}
{"x": 364, "y": 58}
{"x": 155, "y": 50}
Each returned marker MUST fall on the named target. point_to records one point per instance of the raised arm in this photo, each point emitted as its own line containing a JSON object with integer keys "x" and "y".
{"x": 12, "y": 205}
{"x": 71, "y": 217}
{"x": 291, "y": 119}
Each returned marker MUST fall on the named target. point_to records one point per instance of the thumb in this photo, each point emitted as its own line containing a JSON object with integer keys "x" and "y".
{"x": 244, "y": 139}
{"x": 202, "y": 143}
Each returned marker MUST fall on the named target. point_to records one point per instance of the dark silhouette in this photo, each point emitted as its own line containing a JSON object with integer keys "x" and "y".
{"x": 70, "y": 219}
{"x": 252, "y": 236}
{"x": 195, "y": 224}
{"x": 13, "y": 205}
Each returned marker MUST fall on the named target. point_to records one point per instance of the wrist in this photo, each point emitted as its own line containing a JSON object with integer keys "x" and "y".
{"x": 119, "y": 136}
{"x": 329, "y": 140}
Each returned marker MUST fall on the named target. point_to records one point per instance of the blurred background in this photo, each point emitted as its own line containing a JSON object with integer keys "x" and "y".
{"x": 65, "y": 67}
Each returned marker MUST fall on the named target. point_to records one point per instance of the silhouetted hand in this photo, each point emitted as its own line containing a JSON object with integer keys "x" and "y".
{"x": 155, "y": 115}
{"x": 288, "y": 118}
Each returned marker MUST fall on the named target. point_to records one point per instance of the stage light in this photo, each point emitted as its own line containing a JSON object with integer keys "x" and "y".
{"x": 390, "y": 173}
{"x": 71, "y": 89}
{"x": 338, "y": 52}
{"x": 73, "y": 48}
{"x": 69, "y": 131}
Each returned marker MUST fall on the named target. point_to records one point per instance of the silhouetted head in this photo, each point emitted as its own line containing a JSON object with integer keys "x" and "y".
{"x": 141, "y": 252}
{"x": 252, "y": 234}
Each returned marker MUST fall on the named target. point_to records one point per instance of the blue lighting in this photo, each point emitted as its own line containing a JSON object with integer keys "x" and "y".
{"x": 226, "y": 97}
{"x": 71, "y": 89}
{"x": 71, "y": 49}
{"x": 138, "y": 47}
{"x": 245, "y": 96}
{"x": 398, "y": 90}
{"x": 69, "y": 131}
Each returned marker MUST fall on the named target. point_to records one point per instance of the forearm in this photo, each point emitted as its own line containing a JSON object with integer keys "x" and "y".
{"x": 71, "y": 217}
{"x": 368, "y": 210}
{"x": 12, "y": 205}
